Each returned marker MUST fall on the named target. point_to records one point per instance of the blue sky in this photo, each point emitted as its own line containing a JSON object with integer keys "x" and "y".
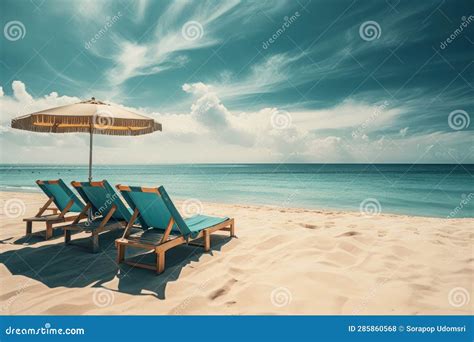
{"x": 241, "y": 81}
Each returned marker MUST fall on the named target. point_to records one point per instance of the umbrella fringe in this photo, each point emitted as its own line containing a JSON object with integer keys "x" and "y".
{"x": 100, "y": 124}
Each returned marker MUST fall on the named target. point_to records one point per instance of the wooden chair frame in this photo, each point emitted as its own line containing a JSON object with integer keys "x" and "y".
{"x": 103, "y": 224}
{"x": 166, "y": 241}
{"x": 50, "y": 219}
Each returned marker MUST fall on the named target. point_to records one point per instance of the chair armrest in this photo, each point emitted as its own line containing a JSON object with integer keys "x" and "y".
{"x": 54, "y": 210}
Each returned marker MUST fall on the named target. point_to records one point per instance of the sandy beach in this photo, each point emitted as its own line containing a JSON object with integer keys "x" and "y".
{"x": 283, "y": 261}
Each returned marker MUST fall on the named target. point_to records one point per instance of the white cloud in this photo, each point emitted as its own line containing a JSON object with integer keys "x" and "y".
{"x": 20, "y": 93}
{"x": 403, "y": 131}
{"x": 159, "y": 53}
{"x": 210, "y": 132}
{"x": 348, "y": 114}
{"x": 141, "y": 8}
{"x": 273, "y": 73}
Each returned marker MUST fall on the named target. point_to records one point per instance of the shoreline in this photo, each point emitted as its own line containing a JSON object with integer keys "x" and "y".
{"x": 283, "y": 261}
{"x": 273, "y": 206}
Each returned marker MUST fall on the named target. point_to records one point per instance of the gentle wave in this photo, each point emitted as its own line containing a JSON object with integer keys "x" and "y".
{"x": 425, "y": 190}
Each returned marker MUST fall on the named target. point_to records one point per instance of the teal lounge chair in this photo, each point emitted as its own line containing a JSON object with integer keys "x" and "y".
{"x": 164, "y": 228}
{"x": 65, "y": 201}
{"x": 108, "y": 211}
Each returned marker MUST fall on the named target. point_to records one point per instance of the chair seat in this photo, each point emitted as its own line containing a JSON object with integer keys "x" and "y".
{"x": 150, "y": 236}
{"x": 45, "y": 218}
{"x": 91, "y": 226}
{"x": 197, "y": 223}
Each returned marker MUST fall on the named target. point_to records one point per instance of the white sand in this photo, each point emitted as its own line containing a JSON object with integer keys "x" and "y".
{"x": 284, "y": 261}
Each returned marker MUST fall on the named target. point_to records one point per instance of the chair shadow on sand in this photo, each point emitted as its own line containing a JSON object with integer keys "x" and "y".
{"x": 38, "y": 236}
{"x": 72, "y": 266}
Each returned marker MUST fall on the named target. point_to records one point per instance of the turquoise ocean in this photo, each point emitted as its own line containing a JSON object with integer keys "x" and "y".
{"x": 422, "y": 190}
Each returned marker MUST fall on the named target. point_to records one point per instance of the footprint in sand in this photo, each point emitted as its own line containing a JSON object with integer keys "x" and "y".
{"x": 309, "y": 226}
{"x": 351, "y": 233}
{"x": 223, "y": 290}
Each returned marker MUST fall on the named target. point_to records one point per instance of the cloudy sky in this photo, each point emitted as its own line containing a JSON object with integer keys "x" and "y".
{"x": 240, "y": 81}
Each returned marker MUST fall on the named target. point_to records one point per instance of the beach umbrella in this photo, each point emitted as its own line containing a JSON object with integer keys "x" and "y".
{"x": 91, "y": 116}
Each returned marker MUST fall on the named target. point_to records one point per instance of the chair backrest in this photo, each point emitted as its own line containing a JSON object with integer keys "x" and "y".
{"x": 61, "y": 194}
{"x": 155, "y": 208}
{"x": 102, "y": 198}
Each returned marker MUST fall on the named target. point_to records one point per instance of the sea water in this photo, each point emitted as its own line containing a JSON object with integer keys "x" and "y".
{"x": 423, "y": 190}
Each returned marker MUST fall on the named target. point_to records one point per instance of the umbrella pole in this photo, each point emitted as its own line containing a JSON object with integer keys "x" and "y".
{"x": 91, "y": 134}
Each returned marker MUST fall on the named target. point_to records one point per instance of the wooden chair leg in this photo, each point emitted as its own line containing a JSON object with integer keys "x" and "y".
{"x": 67, "y": 236}
{"x": 49, "y": 231}
{"x": 160, "y": 262}
{"x": 29, "y": 227}
{"x": 232, "y": 230}
{"x": 95, "y": 243}
{"x": 207, "y": 240}
{"x": 120, "y": 253}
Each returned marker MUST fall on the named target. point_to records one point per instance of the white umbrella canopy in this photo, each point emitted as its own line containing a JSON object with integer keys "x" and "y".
{"x": 91, "y": 116}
